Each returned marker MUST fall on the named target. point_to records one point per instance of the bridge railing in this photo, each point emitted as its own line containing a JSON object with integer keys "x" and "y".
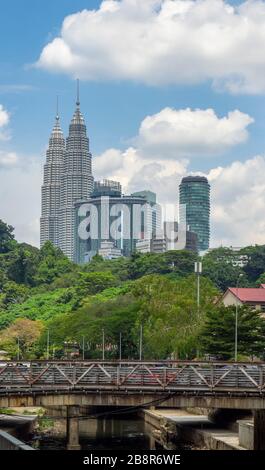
{"x": 171, "y": 376}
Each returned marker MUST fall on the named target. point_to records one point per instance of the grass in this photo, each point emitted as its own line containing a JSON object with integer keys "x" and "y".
{"x": 7, "y": 411}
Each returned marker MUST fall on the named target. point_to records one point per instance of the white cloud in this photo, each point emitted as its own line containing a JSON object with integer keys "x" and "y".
{"x": 136, "y": 171}
{"x": 164, "y": 144}
{"x": 8, "y": 159}
{"x": 4, "y": 121}
{"x": 238, "y": 203}
{"x": 16, "y": 88}
{"x": 159, "y": 42}
{"x": 4, "y": 116}
{"x": 20, "y": 178}
{"x": 19, "y": 205}
{"x": 188, "y": 132}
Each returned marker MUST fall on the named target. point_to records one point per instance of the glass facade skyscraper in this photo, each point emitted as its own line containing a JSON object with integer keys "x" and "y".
{"x": 194, "y": 193}
{"x": 110, "y": 216}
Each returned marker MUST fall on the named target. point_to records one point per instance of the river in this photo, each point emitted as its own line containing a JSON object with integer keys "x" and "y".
{"x": 129, "y": 433}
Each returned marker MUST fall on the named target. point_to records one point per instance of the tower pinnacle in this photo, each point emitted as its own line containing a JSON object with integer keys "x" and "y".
{"x": 57, "y": 108}
{"x": 78, "y": 94}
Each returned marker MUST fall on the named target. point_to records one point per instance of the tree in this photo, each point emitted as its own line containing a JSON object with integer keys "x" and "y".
{"x": 256, "y": 261}
{"x": 12, "y": 293}
{"x": 52, "y": 264}
{"x": 22, "y": 263}
{"x": 86, "y": 324}
{"x": 179, "y": 262}
{"x": 220, "y": 266}
{"x": 218, "y": 335}
{"x": 93, "y": 283}
{"x": 24, "y": 332}
{"x": 41, "y": 306}
{"x": 6, "y": 237}
{"x": 260, "y": 280}
{"x": 169, "y": 314}
{"x": 118, "y": 267}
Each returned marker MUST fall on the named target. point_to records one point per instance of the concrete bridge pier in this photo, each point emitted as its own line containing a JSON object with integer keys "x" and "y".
{"x": 259, "y": 430}
{"x": 72, "y": 427}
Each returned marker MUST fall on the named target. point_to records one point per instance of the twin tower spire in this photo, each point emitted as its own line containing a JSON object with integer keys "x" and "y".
{"x": 77, "y": 100}
{"x": 67, "y": 178}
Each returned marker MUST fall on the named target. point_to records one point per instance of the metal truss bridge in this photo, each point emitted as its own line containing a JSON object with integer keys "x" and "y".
{"x": 182, "y": 377}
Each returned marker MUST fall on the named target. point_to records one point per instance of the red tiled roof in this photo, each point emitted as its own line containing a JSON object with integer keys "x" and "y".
{"x": 262, "y": 286}
{"x": 249, "y": 294}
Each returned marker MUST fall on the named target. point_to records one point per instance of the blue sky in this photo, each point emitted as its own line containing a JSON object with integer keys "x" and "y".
{"x": 113, "y": 111}
{"x": 114, "y": 107}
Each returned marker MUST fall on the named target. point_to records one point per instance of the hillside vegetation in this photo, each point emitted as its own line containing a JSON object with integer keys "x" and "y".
{"x": 41, "y": 291}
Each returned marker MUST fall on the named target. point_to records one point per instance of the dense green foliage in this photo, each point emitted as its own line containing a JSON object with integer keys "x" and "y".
{"x": 6, "y": 237}
{"x": 218, "y": 334}
{"x": 41, "y": 306}
{"x": 155, "y": 293}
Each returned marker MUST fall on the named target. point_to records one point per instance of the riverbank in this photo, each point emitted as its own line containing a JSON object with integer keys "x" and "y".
{"x": 172, "y": 426}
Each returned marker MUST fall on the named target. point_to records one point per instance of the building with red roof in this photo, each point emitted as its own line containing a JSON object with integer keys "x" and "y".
{"x": 254, "y": 297}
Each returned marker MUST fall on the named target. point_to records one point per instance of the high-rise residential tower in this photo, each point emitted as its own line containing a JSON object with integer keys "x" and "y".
{"x": 50, "y": 191}
{"x": 76, "y": 180}
{"x": 194, "y": 193}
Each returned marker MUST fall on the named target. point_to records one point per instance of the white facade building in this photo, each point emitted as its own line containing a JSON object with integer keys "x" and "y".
{"x": 109, "y": 251}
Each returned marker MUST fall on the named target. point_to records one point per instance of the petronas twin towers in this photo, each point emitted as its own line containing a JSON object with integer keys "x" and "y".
{"x": 67, "y": 179}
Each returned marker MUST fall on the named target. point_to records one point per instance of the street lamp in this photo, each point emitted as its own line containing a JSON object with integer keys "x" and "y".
{"x": 18, "y": 348}
{"x": 198, "y": 271}
{"x": 236, "y": 323}
{"x": 83, "y": 348}
{"x": 120, "y": 344}
{"x": 141, "y": 342}
{"x": 103, "y": 344}
{"x": 48, "y": 345}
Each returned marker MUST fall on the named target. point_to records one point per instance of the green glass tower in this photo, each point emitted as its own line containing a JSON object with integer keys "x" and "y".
{"x": 194, "y": 193}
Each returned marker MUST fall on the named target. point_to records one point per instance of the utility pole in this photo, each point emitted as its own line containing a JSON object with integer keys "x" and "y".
{"x": 120, "y": 346}
{"x": 48, "y": 345}
{"x": 18, "y": 349}
{"x": 103, "y": 344}
{"x": 236, "y": 321}
{"x": 198, "y": 271}
{"x": 83, "y": 348}
{"x": 141, "y": 343}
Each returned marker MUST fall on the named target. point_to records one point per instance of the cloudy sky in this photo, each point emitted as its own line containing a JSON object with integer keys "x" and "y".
{"x": 168, "y": 88}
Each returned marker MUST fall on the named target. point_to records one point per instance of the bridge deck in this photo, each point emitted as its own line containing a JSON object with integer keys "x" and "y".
{"x": 204, "y": 378}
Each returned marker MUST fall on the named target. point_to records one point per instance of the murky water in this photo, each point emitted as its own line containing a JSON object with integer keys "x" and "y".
{"x": 129, "y": 433}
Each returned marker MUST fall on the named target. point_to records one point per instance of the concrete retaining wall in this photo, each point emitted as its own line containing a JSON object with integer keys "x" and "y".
{"x": 246, "y": 434}
{"x": 8, "y": 442}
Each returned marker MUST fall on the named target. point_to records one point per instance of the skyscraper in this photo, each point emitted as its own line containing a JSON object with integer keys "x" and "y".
{"x": 109, "y": 216}
{"x": 50, "y": 191}
{"x": 76, "y": 180}
{"x": 194, "y": 193}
